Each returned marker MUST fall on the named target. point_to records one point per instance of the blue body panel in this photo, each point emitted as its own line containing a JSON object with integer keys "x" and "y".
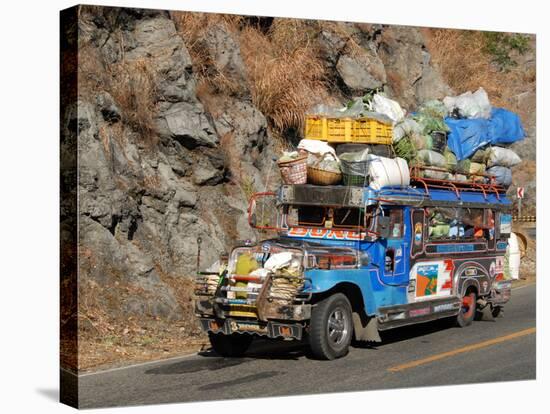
{"x": 375, "y": 293}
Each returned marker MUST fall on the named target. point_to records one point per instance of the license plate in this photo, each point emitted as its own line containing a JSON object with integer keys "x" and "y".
{"x": 247, "y": 327}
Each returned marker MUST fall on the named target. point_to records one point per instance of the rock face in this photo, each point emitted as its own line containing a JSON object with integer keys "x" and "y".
{"x": 392, "y": 58}
{"x": 361, "y": 73}
{"x": 225, "y": 52}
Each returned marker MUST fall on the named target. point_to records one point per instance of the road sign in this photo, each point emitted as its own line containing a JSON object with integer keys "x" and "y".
{"x": 520, "y": 192}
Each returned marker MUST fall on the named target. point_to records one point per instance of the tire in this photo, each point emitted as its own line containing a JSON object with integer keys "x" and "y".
{"x": 230, "y": 345}
{"x": 331, "y": 327}
{"x": 467, "y": 310}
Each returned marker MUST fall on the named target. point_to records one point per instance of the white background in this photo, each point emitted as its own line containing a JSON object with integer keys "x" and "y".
{"x": 29, "y": 204}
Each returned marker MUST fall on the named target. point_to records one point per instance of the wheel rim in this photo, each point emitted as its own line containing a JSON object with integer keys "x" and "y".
{"x": 337, "y": 326}
{"x": 468, "y": 305}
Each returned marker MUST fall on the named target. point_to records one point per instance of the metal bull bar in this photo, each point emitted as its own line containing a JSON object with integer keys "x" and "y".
{"x": 268, "y": 305}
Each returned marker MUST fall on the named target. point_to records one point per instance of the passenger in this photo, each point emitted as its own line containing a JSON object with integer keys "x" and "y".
{"x": 469, "y": 232}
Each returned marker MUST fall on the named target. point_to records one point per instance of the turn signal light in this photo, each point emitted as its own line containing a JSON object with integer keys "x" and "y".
{"x": 285, "y": 331}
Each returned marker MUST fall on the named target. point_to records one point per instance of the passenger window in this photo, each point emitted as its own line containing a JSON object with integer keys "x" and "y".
{"x": 396, "y": 223}
{"x": 417, "y": 231}
{"x": 389, "y": 261}
{"x": 445, "y": 223}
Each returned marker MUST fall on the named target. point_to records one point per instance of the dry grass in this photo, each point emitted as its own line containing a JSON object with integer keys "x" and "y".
{"x": 465, "y": 65}
{"x": 285, "y": 73}
{"x": 133, "y": 86}
{"x": 131, "y": 83}
{"x": 193, "y": 27}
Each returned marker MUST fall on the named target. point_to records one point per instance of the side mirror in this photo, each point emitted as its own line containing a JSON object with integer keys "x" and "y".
{"x": 383, "y": 226}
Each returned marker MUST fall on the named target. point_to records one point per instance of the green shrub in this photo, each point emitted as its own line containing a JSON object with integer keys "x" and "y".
{"x": 501, "y": 45}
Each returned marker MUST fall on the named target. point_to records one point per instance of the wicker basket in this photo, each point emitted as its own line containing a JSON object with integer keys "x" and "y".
{"x": 322, "y": 177}
{"x": 295, "y": 171}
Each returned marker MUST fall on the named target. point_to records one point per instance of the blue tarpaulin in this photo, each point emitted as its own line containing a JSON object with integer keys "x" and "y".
{"x": 469, "y": 135}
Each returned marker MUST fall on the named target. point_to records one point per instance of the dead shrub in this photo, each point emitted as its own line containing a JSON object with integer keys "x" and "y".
{"x": 193, "y": 28}
{"x": 133, "y": 86}
{"x": 131, "y": 83}
{"x": 285, "y": 73}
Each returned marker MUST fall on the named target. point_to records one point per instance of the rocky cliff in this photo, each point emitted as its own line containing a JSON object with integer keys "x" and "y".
{"x": 179, "y": 118}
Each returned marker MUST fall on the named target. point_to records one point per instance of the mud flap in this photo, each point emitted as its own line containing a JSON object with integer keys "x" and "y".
{"x": 365, "y": 328}
{"x": 484, "y": 311}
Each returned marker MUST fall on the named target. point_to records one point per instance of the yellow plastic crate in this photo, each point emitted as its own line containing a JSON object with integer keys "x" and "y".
{"x": 340, "y": 130}
{"x": 316, "y": 127}
{"x": 362, "y": 130}
{"x": 372, "y": 131}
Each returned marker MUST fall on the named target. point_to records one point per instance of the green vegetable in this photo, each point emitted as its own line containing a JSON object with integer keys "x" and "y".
{"x": 481, "y": 156}
{"x": 463, "y": 166}
{"x": 450, "y": 157}
{"x": 434, "y": 109}
{"x": 405, "y": 149}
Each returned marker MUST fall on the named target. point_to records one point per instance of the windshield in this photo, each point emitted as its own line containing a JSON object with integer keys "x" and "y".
{"x": 328, "y": 217}
{"x": 246, "y": 260}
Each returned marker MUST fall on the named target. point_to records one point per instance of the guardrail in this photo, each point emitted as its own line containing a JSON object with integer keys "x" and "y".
{"x": 528, "y": 219}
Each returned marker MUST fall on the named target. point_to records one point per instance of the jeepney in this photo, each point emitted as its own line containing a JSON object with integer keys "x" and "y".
{"x": 360, "y": 261}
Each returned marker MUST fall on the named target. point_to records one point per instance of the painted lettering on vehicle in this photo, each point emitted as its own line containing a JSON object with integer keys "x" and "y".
{"x": 454, "y": 248}
{"x": 324, "y": 234}
{"x": 419, "y": 312}
{"x": 243, "y": 326}
{"x": 444, "y": 307}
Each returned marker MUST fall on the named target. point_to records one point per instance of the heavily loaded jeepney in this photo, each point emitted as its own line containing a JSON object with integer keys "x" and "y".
{"x": 349, "y": 262}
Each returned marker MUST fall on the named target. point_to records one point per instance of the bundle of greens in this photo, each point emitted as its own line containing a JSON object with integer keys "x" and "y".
{"x": 405, "y": 149}
{"x": 430, "y": 117}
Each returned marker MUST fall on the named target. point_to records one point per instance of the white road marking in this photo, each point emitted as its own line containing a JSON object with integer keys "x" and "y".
{"x": 141, "y": 364}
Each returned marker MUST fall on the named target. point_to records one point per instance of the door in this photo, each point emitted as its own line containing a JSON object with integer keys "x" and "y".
{"x": 396, "y": 248}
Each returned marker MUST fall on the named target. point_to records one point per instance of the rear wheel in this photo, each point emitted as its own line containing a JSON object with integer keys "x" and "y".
{"x": 468, "y": 309}
{"x": 331, "y": 328}
{"x": 230, "y": 345}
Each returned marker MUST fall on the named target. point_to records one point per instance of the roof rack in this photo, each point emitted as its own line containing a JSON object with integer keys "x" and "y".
{"x": 483, "y": 183}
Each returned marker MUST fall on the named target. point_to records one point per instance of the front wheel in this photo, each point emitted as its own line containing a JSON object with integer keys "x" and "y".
{"x": 331, "y": 327}
{"x": 467, "y": 310}
{"x": 230, "y": 345}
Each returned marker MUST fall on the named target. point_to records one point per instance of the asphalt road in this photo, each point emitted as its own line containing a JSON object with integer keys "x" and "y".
{"x": 424, "y": 355}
